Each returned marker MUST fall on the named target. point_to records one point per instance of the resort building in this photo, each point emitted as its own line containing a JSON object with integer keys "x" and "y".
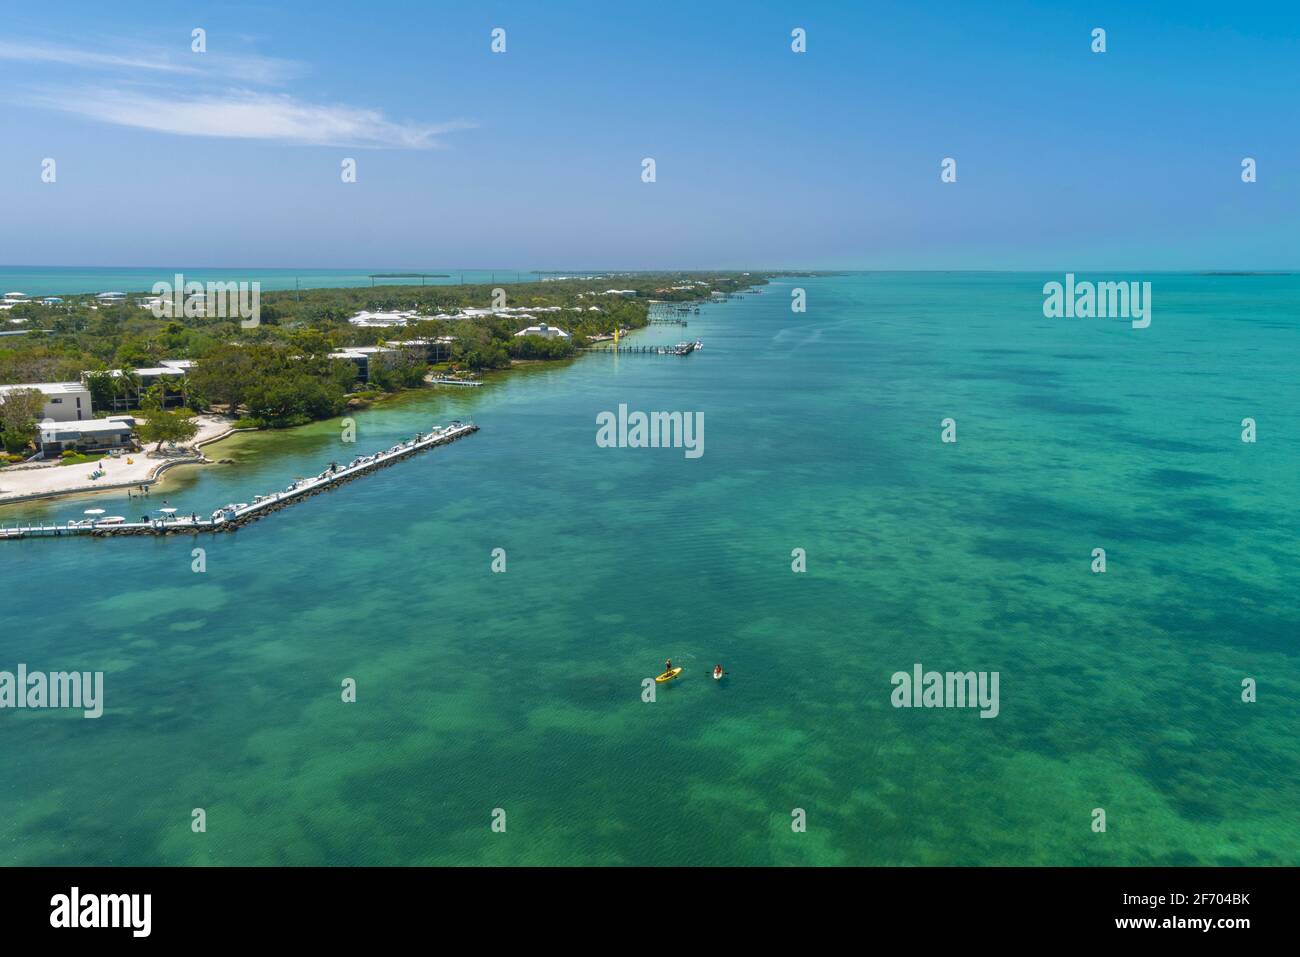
{"x": 128, "y": 396}
{"x": 430, "y": 350}
{"x": 12, "y": 299}
{"x": 64, "y": 401}
{"x": 110, "y": 298}
{"x": 545, "y": 331}
{"x": 365, "y": 358}
{"x": 165, "y": 367}
{"x": 92, "y": 435}
{"x": 366, "y": 319}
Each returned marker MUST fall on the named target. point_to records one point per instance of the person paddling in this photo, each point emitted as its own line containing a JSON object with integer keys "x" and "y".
{"x": 668, "y": 666}
{"x": 717, "y": 671}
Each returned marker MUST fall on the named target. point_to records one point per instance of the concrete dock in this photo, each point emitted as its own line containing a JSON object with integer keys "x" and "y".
{"x": 235, "y": 515}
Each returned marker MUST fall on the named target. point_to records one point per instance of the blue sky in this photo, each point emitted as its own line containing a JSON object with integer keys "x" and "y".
{"x": 1066, "y": 159}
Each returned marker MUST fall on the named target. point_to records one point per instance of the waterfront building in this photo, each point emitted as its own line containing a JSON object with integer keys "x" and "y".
{"x": 64, "y": 401}
{"x": 91, "y": 435}
{"x": 430, "y": 350}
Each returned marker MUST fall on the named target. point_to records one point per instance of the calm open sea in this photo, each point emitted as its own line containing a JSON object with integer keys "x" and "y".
{"x": 522, "y": 690}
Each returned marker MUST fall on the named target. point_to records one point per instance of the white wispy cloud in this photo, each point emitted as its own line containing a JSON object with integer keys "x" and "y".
{"x": 233, "y": 66}
{"x": 71, "y": 56}
{"x": 173, "y": 90}
{"x": 244, "y": 114}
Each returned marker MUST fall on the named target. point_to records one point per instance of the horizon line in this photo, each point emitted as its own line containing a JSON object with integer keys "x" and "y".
{"x": 367, "y": 270}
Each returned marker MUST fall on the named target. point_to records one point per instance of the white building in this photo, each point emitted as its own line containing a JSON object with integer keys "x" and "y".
{"x": 64, "y": 401}
{"x": 437, "y": 349}
{"x": 167, "y": 367}
{"x": 366, "y": 319}
{"x": 519, "y": 312}
{"x": 365, "y": 358}
{"x": 545, "y": 331}
{"x": 171, "y": 369}
{"x": 56, "y": 438}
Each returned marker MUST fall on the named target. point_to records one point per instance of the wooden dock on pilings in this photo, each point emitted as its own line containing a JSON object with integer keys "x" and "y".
{"x": 681, "y": 349}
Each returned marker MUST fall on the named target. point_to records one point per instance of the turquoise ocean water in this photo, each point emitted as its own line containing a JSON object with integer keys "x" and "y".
{"x": 522, "y": 690}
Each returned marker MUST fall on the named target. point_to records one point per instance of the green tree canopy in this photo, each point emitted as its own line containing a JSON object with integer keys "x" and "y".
{"x": 167, "y": 426}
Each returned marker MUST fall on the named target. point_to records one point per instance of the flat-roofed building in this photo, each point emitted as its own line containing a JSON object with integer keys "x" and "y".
{"x": 384, "y": 320}
{"x": 364, "y": 358}
{"x": 545, "y": 331}
{"x": 55, "y": 438}
{"x": 64, "y": 401}
{"x": 171, "y": 369}
{"x": 430, "y": 350}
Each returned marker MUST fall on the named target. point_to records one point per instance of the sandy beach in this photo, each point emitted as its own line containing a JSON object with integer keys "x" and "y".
{"x": 40, "y": 481}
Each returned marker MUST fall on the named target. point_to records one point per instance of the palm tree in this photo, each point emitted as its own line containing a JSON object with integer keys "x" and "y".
{"x": 126, "y": 387}
{"x": 155, "y": 397}
{"x": 184, "y": 387}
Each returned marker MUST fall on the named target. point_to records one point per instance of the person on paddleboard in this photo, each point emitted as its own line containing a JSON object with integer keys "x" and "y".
{"x": 668, "y": 666}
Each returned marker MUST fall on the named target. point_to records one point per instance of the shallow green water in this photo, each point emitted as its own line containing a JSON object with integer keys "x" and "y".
{"x": 522, "y": 690}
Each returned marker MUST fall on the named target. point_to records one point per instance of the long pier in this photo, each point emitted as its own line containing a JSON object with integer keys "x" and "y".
{"x": 452, "y": 380}
{"x": 228, "y": 518}
{"x": 681, "y": 349}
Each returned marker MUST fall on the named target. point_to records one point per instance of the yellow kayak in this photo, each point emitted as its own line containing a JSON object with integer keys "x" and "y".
{"x": 668, "y": 675}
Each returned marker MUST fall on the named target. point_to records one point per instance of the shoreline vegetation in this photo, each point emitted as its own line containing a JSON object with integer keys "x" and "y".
{"x": 305, "y": 361}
